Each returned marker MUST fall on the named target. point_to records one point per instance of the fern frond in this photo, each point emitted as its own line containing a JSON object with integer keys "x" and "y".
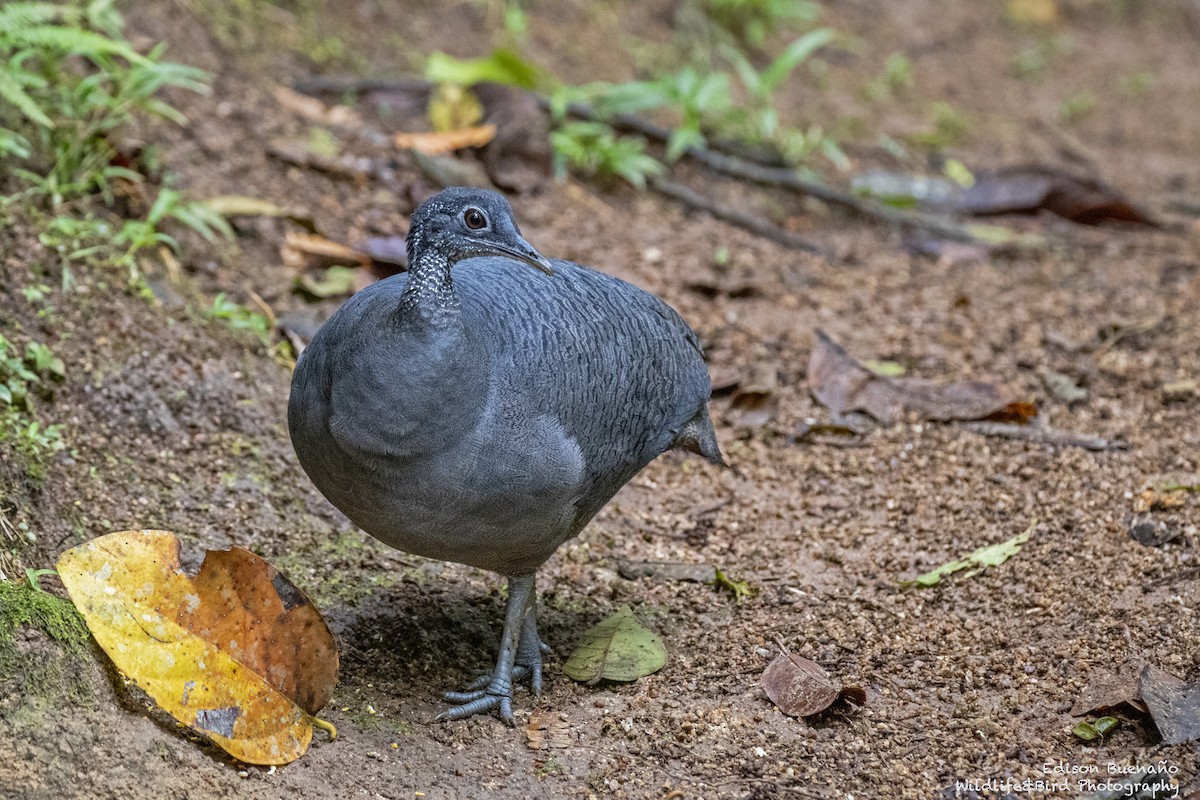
{"x": 73, "y": 40}
{"x": 18, "y": 16}
{"x": 14, "y": 144}
{"x": 13, "y": 92}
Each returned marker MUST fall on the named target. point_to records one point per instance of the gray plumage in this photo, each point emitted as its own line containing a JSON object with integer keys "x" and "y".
{"x": 485, "y": 416}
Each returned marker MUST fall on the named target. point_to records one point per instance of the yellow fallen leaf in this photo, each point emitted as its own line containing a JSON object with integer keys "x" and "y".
{"x": 1033, "y": 12}
{"x": 441, "y": 142}
{"x": 453, "y": 106}
{"x": 237, "y": 653}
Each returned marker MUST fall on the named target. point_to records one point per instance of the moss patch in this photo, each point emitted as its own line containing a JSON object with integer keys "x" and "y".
{"x": 56, "y": 671}
{"x": 337, "y": 571}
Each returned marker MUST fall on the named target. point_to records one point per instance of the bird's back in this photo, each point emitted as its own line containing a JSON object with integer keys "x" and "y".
{"x": 620, "y": 370}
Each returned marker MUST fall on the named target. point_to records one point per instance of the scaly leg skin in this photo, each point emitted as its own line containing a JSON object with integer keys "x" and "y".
{"x": 520, "y": 657}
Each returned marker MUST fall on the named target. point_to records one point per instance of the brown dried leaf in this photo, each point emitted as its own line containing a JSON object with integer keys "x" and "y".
{"x": 388, "y": 254}
{"x": 359, "y": 170}
{"x": 1173, "y": 704}
{"x": 755, "y": 401}
{"x": 798, "y": 685}
{"x": 950, "y": 401}
{"x": 1109, "y": 689}
{"x": 854, "y": 695}
{"x": 726, "y": 379}
{"x": 1032, "y": 187}
{"x": 442, "y": 142}
{"x": 547, "y": 730}
{"x": 844, "y": 386}
{"x": 1033, "y": 12}
{"x": 1155, "y": 499}
{"x": 251, "y": 609}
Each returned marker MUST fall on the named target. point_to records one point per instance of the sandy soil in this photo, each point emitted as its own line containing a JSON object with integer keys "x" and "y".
{"x": 178, "y": 422}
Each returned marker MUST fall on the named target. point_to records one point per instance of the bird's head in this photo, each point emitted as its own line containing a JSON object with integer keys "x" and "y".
{"x": 461, "y": 223}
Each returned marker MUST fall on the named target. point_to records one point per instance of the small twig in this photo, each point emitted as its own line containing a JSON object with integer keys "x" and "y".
{"x": 264, "y": 307}
{"x": 756, "y": 225}
{"x": 780, "y": 177}
{"x": 1053, "y": 436}
{"x": 715, "y": 507}
{"x": 789, "y": 179}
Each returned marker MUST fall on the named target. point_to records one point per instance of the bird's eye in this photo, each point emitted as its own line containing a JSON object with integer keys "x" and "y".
{"x": 475, "y": 219}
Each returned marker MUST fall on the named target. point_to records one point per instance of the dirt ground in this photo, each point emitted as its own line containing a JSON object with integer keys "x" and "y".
{"x": 177, "y": 422}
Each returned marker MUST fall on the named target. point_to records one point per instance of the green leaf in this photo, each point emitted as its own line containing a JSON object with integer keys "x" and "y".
{"x": 1000, "y": 236}
{"x": 681, "y": 140}
{"x": 750, "y": 78}
{"x": 207, "y": 221}
{"x": 618, "y": 649}
{"x": 990, "y": 556}
{"x": 1094, "y": 731}
{"x": 610, "y": 99}
{"x": 956, "y": 171}
{"x": 452, "y": 107}
{"x": 14, "y": 93}
{"x": 16, "y": 16}
{"x": 739, "y": 589}
{"x": 502, "y": 66}
{"x": 886, "y": 369}
{"x": 836, "y": 155}
{"x": 333, "y": 282}
{"x": 75, "y": 41}
{"x": 796, "y": 54}
{"x": 43, "y": 360}
{"x": 166, "y": 200}
{"x": 14, "y": 144}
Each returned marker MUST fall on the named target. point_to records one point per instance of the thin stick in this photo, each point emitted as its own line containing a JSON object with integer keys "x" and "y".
{"x": 1044, "y": 435}
{"x": 693, "y": 199}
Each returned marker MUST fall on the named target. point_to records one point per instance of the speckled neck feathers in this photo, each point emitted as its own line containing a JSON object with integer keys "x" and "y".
{"x": 429, "y": 298}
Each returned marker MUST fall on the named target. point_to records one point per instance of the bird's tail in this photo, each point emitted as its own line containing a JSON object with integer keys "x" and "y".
{"x": 697, "y": 436}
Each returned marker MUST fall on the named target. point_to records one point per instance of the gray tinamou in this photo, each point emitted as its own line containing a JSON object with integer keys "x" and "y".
{"x": 479, "y": 411}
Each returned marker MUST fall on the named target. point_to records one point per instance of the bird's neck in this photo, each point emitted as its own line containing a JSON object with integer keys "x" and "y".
{"x": 429, "y": 299}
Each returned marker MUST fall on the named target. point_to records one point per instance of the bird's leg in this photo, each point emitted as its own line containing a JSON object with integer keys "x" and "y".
{"x": 527, "y": 664}
{"x": 519, "y": 646}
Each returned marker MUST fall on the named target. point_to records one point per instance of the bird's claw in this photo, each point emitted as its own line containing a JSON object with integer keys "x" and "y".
{"x": 497, "y": 692}
{"x": 519, "y": 673}
{"x": 487, "y": 692}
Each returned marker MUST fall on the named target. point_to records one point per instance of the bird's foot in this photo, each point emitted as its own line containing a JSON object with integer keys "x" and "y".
{"x": 520, "y": 657}
{"x": 497, "y": 693}
{"x": 490, "y": 690}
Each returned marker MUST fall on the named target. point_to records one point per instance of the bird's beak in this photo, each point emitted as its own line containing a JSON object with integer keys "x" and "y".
{"x": 523, "y": 251}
